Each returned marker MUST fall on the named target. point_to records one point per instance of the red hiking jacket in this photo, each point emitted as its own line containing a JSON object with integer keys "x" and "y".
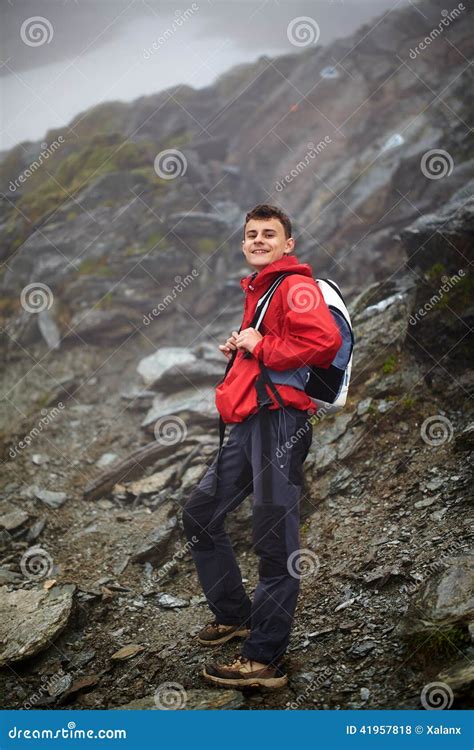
{"x": 297, "y": 330}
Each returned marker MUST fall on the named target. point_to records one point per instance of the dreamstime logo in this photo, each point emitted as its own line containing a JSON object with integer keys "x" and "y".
{"x": 435, "y": 567}
{"x": 170, "y": 430}
{"x": 448, "y": 17}
{"x": 36, "y": 31}
{"x": 46, "y": 151}
{"x": 436, "y": 696}
{"x": 448, "y": 282}
{"x": 179, "y": 19}
{"x": 170, "y": 163}
{"x": 36, "y": 563}
{"x": 313, "y": 685}
{"x": 313, "y": 151}
{"x": 302, "y": 563}
{"x": 303, "y": 297}
{"x": 36, "y": 297}
{"x": 300, "y": 432}
{"x": 169, "y": 564}
{"x": 51, "y": 686}
{"x": 46, "y": 419}
{"x": 302, "y": 31}
{"x": 436, "y": 164}
{"x": 179, "y": 286}
{"x": 437, "y": 430}
{"x": 170, "y": 696}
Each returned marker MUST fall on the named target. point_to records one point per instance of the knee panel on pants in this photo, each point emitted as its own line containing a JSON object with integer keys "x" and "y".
{"x": 269, "y": 539}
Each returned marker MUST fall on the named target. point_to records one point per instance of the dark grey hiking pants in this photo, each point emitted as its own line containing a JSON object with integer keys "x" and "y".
{"x": 264, "y": 455}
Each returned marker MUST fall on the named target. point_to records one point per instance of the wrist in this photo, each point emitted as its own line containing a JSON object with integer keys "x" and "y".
{"x": 257, "y": 349}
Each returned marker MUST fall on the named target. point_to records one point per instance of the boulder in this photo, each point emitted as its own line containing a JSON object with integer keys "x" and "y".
{"x": 152, "y": 367}
{"x": 177, "y": 698}
{"x": 31, "y": 619}
{"x": 191, "y": 406}
{"x": 447, "y": 600}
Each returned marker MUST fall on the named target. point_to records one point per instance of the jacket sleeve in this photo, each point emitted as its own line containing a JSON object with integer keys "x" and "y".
{"x": 309, "y": 335}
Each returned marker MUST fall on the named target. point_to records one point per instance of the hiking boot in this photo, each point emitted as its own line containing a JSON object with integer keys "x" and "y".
{"x": 214, "y": 633}
{"x": 243, "y": 673}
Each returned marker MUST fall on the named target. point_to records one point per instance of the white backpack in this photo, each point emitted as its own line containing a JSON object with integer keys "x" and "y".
{"x": 327, "y": 387}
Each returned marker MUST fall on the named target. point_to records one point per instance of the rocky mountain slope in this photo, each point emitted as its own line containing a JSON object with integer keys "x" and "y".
{"x": 335, "y": 134}
{"x": 108, "y": 416}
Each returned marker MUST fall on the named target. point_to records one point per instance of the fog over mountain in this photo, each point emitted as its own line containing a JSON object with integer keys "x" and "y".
{"x": 97, "y": 50}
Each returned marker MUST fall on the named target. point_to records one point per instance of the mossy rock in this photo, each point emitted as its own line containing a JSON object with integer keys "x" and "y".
{"x": 95, "y": 267}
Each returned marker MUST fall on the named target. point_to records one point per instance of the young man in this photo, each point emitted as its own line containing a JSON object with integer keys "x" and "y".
{"x": 264, "y": 454}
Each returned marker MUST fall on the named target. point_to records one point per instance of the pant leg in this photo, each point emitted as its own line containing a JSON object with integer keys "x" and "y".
{"x": 276, "y": 520}
{"x": 203, "y": 518}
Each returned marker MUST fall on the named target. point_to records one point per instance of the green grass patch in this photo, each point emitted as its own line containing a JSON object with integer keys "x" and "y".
{"x": 390, "y": 364}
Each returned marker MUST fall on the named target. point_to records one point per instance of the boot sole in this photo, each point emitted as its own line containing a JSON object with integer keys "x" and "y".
{"x": 268, "y": 682}
{"x": 225, "y": 638}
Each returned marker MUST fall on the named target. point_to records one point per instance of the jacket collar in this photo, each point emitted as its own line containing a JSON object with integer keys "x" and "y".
{"x": 260, "y": 280}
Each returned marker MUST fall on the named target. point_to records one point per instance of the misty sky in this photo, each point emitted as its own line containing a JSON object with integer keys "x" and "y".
{"x": 101, "y": 50}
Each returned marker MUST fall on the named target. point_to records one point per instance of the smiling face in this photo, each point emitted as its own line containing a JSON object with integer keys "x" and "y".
{"x": 265, "y": 242}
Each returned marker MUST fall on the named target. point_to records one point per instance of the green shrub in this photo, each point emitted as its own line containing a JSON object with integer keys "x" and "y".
{"x": 390, "y": 364}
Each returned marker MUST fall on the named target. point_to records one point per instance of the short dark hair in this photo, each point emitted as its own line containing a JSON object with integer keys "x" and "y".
{"x": 266, "y": 211}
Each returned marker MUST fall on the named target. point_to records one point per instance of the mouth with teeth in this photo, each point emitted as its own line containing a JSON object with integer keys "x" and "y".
{"x": 258, "y": 252}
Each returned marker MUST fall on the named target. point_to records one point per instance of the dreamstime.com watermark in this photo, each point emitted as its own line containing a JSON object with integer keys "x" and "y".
{"x": 47, "y": 150}
{"x": 302, "y": 563}
{"x": 448, "y": 282}
{"x": 170, "y": 696}
{"x": 435, "y": 567}
{"x": 313, "y": 419}
{"x": 51, "y": 686}
{"x": 437, "y": 430}
{"x": 448, "y": 16}
{"x": 46, "y": 419}
{"x": 436, "y": 696}
{"x": 312, "y": 153}
{"x": 179, "y": 286}
{"x": 69, "y": 732}
{"x": 36, "y": 563}
{"x": 179, "y": 19}
{"x": 303, "y": 31}
{"x": 177, "y": 556}
{"x": 36, "y": 31}
{"x": 436, "y": 164}
{"x": 292, "y": 441}
{"x": 170, "y": 164}
{"x": 36, "y": 297}
{"x": 311, "y": 687}
{"x": 170, "y": 430}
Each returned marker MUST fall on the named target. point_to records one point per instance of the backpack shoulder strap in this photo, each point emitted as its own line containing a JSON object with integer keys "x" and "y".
{"x": 264, "y": 301}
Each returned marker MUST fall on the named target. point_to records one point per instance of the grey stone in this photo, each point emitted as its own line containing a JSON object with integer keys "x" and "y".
{"x": 171, "y": 602}
{"x": 39, "y": 459}
{"x": 152, "y": 367}
{"x": 186, "y": 700}
{"x": 447, "y": 599}
{"x": 359, "y": 650}
{"x": 156, "y": 544}
{"x": 459, "y": 677}
{"x": 13, "y": 519}
{"x": 106, "y": 460}
{"x": 48, "y": 329}
{"x": 48, "y": 497}
{"x": 364, "y": 406}
{"x": 192, "y": 405}
{"x": 31, "y": 619}
{"x": 152, "y": 484}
